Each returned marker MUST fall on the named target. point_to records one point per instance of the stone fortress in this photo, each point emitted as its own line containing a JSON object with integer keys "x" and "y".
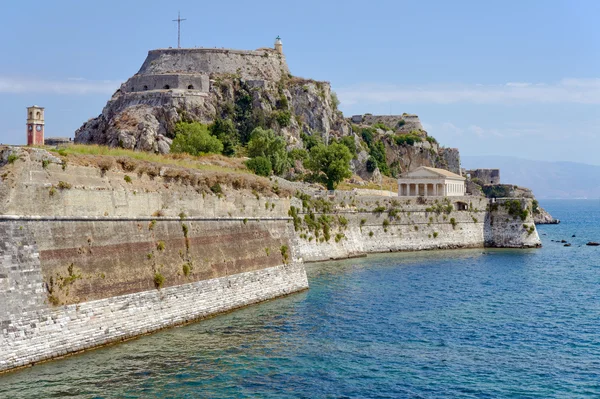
{"x": 122, "y": 248}
{"x": 190, "y": 69}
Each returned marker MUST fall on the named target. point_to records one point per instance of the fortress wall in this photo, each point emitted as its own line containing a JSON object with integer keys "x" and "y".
{"x": 508, "y": 231}
{"x": 486, "y": 176}
{"x": 263, "y": 64}
{"x": 137, "y": 83}
{"x": 93, "y": 194}
{"x": 411, "y": 122}
{"x": 414, "y": 228}
{"x": 411, "y": 231}
{"x": 69, "y": 285}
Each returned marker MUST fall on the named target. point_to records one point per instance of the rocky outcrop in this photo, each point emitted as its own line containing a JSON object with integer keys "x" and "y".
{"x": 541, "y": 216}
{"x": 253, "y": 88}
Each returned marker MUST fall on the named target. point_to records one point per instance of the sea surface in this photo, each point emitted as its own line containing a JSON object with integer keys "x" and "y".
{"x": 442, "y": 324}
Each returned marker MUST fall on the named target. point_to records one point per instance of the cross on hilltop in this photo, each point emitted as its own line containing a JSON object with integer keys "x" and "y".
{"x": 178, "y": 20}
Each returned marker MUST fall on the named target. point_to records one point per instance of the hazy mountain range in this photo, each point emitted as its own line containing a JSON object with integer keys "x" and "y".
{"x": 546, "y": 179}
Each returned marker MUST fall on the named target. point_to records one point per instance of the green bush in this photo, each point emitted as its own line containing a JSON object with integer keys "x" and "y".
{"x": 310, "y": 140}
{"x": 497, "y": 191}
{"x": 64, "y": 185}
{"x": 297, "y": 154}
{"x": 334, "y": 100}
{"x": 159, "y": 280}
{"x": 283, "y": 118}
{"x": 187, "y": 268}
{"x": 453, "y": 223}
{"x": 348, "y": 141}
{"x": 12, "y": 158}
{"x": 329, "y": 164}
{"x": 195, "y": 139}
{"x": 216, "y": 189}
{"x": 400, "y": 123}
{"x": 408, "y": 139}
{"x": 226, "y": 132}
{"x": 535, "y": 206}
{"x": 377, "y": 151}
{"x": 371, "y": 164}
{"x": 284, "y": 253}
{"x": 127, "y": 179}
{"x": 265, "y": 143}
{"x": 382, "y": 126}
{"x": 515, "y": 209}
{"x": 431, "y": 140}
{"x": 260, "y": 166}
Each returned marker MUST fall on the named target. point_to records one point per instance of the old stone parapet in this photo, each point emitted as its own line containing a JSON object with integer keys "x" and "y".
{"x": 263, "y": 64}
{"x": 168, "y": 81}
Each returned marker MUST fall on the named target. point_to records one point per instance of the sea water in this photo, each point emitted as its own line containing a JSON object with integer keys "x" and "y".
{"x": 477, "y": 323}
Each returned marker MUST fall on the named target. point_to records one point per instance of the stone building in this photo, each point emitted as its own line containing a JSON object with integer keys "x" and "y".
{"x": 484, "y": 176}
{"x": 190, "y": 69}
{"x": 431, "y": 182}
{"x": 35, "y": 125}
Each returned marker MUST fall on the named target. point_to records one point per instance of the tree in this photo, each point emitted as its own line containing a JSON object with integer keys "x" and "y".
{"x": 195, "y": 139}
{"x": 224, "y": 130}
{"x": 330, "y": 164}
{"x": 260, "y": 165}
{"x": 265, "y": 143}
{"x": 349, "y": 142}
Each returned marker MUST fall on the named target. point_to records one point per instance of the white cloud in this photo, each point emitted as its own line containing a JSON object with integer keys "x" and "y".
{"x": 579, "y": 91}
{"x": 71, "y": 86}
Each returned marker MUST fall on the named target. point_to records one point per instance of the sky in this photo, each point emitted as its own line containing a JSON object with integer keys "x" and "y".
{"x": 516, "y": 78}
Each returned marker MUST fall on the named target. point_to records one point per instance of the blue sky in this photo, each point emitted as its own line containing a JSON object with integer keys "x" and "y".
{"x": 518, "y": 78}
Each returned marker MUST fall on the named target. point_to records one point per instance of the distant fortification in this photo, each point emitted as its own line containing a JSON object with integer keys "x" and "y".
{"x": 191, "y": 69}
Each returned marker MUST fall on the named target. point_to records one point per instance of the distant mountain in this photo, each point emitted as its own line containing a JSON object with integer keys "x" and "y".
{"x": 546, "y": 179}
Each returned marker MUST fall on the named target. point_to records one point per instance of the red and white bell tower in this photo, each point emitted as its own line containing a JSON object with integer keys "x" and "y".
{"x": 35, "y": 125}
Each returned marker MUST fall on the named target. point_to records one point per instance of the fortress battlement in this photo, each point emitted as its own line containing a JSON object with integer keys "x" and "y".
{"x": 265, "y": 64}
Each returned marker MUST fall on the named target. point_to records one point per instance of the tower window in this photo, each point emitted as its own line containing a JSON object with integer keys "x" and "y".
{"x": 37, "y": 115}
{"x": 190, "y": 87}
{"x": 145, "y": 87}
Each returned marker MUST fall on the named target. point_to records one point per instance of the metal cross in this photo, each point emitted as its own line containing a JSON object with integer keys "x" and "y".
{"x": 178, "y": 20}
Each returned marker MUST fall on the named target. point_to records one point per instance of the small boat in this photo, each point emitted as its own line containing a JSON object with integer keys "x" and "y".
{"x": 593, "y": 244}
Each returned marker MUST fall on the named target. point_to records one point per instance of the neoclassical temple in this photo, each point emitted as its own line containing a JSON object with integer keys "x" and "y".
{"x": 431, "y": 182}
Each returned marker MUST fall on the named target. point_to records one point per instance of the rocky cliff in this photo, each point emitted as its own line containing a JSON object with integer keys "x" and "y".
{"x": 252, "y": 88}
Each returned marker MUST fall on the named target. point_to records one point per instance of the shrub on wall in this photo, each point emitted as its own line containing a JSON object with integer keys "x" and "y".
{"x": 260, "y": 166}
{"x": 159, "y": 280}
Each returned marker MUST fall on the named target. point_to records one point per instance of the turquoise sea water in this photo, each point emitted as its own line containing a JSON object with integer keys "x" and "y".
{"x": 450, "y": 324}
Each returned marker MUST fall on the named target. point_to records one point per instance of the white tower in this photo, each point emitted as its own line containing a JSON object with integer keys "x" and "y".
{"x": 278, "y": 45}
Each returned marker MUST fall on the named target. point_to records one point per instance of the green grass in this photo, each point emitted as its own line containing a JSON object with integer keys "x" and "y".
{"x": 182, "y": 160}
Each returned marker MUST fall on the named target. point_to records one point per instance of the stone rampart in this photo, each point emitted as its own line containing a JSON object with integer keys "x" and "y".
{"x": 484, "y": 176}
{"x": 88, "y": 257}
{"x": 361, "y": 225}
{"x": 57, "y": 299}
{"x": 168, "y": 81}
{"x": 400, "y": 123}
{"x": 263, "y": 64}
